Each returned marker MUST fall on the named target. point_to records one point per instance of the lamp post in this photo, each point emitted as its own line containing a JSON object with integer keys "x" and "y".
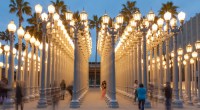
{"x": 112, "y": 31}
{"x": 8, "y": 103}
{"x": 6, "y": 49}
{"x": 27, "y": 37}
{"x": 180, "y": 54}
{"x": 189, "y": 51}
{"x": 194, "y": 56}
{"x": 1, "y": 65}
{"x": 37, "y": 44}
{"x": 20, "y": 33}
{"x": 197, "y": 45}
{"x": 32, "y": 74}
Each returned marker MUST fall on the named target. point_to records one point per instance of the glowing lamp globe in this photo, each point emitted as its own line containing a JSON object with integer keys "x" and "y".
{"x": 160, "y": 22}
{"x": 120, "y": 19}
{"x": 11, "y": 27}
{"x": 32, "y": 40}
{"x": 51, "y": 9}
{"x": 83, "y": 16}
{"x": 1, "y": 64}
{"x": 105, "y": 18}
{"x": 56, "y": 17}
{"x": 6, "y": 48}
{"x": 194, "y": 54}
{"x": 137, "y": 16}
{"x": 186, "y": 56}
{"x": 197, "y": 45}
{"x": 38, "y": 8}
{"x": 151, "y": 16}
{"x": 181, "y": 16}
{"x": 173, "y": 22}
{"x": 20, "y": 32}
{"x": 189, "y": 48}
{"x": 180, "y": 51}
{"x": 167, "y": 16}
{"x": 27, "y": 36}
{"x": 68, "y": 15}
{"x": 44, "y": 16}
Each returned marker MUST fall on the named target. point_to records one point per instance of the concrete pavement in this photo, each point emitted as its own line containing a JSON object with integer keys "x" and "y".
{"x": 93, "y": 101}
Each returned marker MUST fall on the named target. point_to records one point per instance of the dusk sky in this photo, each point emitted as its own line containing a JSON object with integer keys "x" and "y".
{"x": 98, "y": 7}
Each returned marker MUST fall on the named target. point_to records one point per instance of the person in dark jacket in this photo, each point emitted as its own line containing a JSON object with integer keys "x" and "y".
{"x": 19, "y": 96}
{"x": 168, "y": 96}
{"x": 141, "y": 93}
{"x": 63, "y": 89}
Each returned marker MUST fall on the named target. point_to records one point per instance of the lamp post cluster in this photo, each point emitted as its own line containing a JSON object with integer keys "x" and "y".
{"x": 141, "y": 39}
{"x": 82, "y": 51}
{"x": 58, "y": 56}
{"x": 106, "y": 48}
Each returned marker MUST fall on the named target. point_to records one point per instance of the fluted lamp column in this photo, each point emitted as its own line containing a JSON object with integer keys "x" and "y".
{"x": 27, "y": 37}
{"x": 180, "y": 54}
{"x": 8, "y": 103}
{"x": 197, "y": 45}
{"x": 6, "y": 49}
{"x": 20, "y": 33}
{"x": 189, "y": 51}
{"x": 32, "y": 74}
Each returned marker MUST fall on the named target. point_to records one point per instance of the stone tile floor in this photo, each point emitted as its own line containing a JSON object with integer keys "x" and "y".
{"x": 93, "y": 101}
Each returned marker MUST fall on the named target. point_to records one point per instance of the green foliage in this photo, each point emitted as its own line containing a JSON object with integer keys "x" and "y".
{"x": 20, "y": 7}
{"x": 169, "y": 6}
{"x": 4, "y": 36}
{"x": 128, "y": 10}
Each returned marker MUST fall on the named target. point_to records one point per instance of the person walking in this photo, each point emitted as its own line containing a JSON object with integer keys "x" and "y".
{"x": 141, "y": 92}
{"x": 103, "y": 87}
{"x": 63, "y": 89}
{"x": 135, "y": 86}
{"x": 19, "y": 95}
{"x": 168, "y": 96}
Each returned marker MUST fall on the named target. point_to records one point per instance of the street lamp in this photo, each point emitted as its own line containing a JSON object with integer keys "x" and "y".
{"x": 180, "y": 54}
{"x": 197, "y": 45}
{"x": 194, "y": 56}
{"x": 112, "y": 31}
{"x": 20, "y": 33}
{"x": 6, "y": 49}
{"x": 76, "y": 27}
{"x": 189, "y": 51}
{"x": 9, "y": 101}
{"x": 27, "y": 37}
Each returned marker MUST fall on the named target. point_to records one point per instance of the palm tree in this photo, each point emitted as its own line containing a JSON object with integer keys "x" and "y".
{"x": 32, "y": 28}
{"x": 4, "y": 35}
{"x": 23, "y": 46}
{"x": 20, "y": 7}
{"x": 95, "y": 22}
{"x": 169, "y": 6}
{"x": 60, "y": 6}
{"x": 128, "y": 10}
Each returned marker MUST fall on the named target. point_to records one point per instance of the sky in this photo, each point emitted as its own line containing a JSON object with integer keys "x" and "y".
{"x": 98, "y": 7}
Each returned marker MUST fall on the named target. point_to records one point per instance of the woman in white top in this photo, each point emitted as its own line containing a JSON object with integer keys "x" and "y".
{"x": 135, "y": 89}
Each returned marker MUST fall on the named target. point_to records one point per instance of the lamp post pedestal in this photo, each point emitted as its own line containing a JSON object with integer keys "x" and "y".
{"x": 9, "y": 102}
{"x": 42, "y": 103}
{"x": 75, "y": 102}
{"x": 177, "y": 103}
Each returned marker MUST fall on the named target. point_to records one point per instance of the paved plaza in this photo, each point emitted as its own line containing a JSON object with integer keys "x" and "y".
{"x": 93, "y": 101}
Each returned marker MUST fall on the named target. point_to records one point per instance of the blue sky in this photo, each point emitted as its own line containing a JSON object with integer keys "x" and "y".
{"x": 98, "y": 7}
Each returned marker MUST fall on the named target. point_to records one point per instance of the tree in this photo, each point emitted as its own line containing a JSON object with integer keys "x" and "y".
{"x": 17, "y": 46}
{"x": 20, "y": 7}
{"x": 32, "y": 28}
{"x": 95, "y": 22}
{"x": 4, "y": 35}
{"x": 169, "y": 6}
{"x": 60, "y": 6}
{"x": 128, "y": 10}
